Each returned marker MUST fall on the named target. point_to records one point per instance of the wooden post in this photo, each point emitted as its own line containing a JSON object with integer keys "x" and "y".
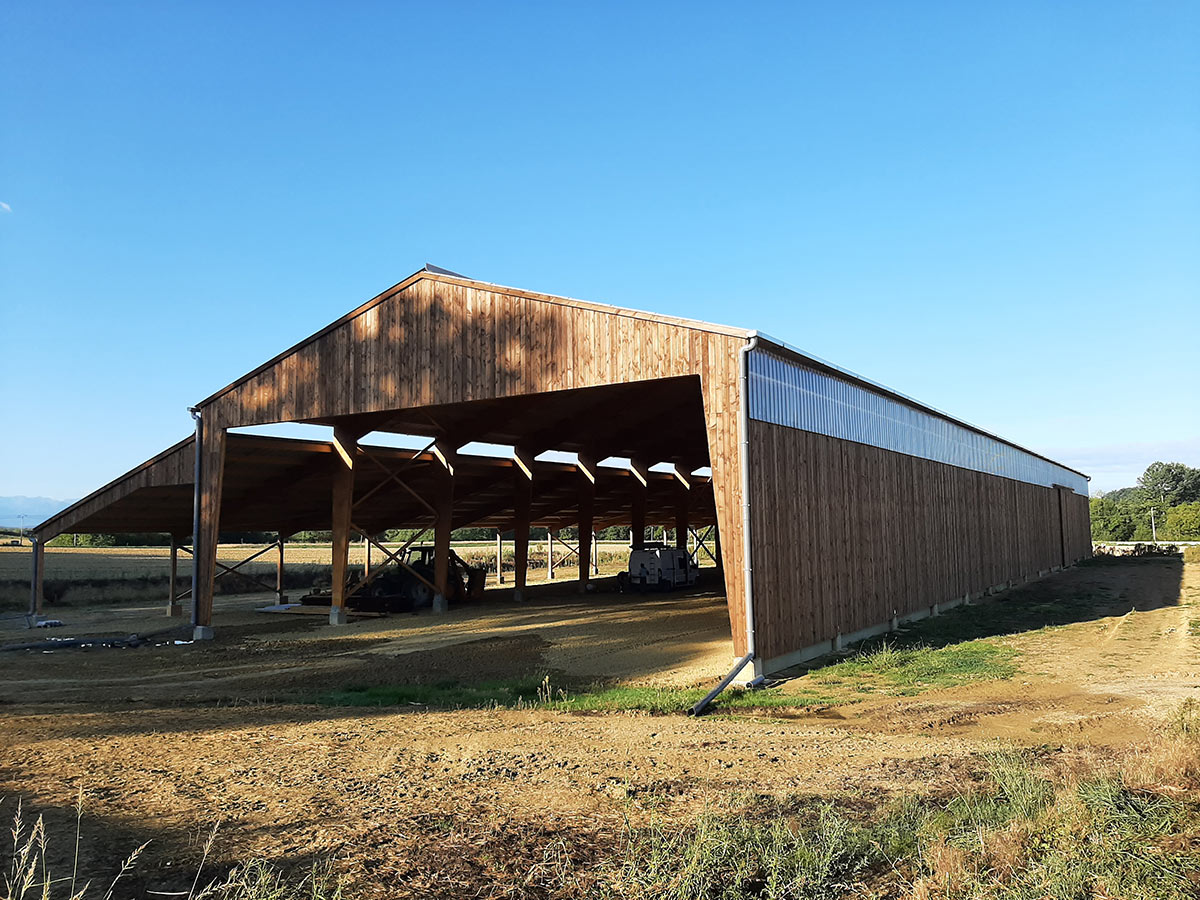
{"x": 345, "y": 445}
{"x": 522, "y": 503}
{"x": 595, "y": 554}
{"x": 36, "y": 592}
{"x": 549, "y": 554}
{"x": 211, "y": 455}
{"x": 174, "y": 607}
{"x": 499, "y": 557}
{"x": 587, "y": 503}
{"x": 681, "y": 519}
{"x": 280, "y": 597}
{"x": 444, "y": 505}
{"x": 637, "y": 522}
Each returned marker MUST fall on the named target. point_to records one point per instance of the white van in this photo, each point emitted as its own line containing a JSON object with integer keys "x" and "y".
{"x": 659, "y": 567}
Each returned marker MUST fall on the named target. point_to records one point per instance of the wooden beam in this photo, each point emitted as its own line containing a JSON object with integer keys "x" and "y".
{"x": 522, "y": 500}
{"x": 37, "y": 581}
{"x": 345, "y": 445}
{"x": 587, "y": 504}
{"x": 174, "y": 607}
{"x": 637, "y": 521}
{"x": 279, "y": 595}
{"x": 445, "y": 524}
{"x": 682, "y": 500}
{"x": 211, "y": 479}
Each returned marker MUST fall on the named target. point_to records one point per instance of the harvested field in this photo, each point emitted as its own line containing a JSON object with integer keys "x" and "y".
{"x": 535, "y": 790}
{"x": 78, "y": 576}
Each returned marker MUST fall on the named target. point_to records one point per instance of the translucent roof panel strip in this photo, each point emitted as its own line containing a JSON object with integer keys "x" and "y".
{"x": 786, "y": 392}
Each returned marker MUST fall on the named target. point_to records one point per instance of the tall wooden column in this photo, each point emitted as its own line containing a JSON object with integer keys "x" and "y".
{"x": 549, "y": 554}
{"x": 280, "y": 597}
{"x": 587, "y": 504}
{"x": 174, "y": 607}
{"x": 499, "y": 557}
{"x": 204, "y": 542}
{"x": 522, "y": 503}
{"x": 345, "y": 445}
{"x": 637, "y": 522}
{"x": 444, "y": 504}
{"x": 683, "y": 490}
{"x": 37, "y": 579}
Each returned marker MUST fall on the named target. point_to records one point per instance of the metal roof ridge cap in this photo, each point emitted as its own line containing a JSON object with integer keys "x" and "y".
{"x": 783, "y": 345}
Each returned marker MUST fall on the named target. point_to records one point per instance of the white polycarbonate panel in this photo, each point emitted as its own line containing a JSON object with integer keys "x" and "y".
{"x": 785, "y": 392}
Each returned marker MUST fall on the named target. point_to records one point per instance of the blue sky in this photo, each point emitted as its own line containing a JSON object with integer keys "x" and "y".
{"x": 994, "y": 208}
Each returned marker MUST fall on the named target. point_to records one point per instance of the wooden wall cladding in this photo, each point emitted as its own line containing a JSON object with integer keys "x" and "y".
{"x": 172, "y": 467}
{"x": 436, "y": 340}
{"x": 844, "y": 535}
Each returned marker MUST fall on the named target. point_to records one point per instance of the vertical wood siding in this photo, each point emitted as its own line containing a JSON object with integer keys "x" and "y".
{"x": 437, "y": 341}
{"x": 845, "y": 535}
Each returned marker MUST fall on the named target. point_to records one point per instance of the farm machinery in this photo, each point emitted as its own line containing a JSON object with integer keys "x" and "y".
{"x": 406, "y": 587}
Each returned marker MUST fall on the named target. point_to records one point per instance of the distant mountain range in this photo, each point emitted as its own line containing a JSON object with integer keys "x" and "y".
{"x": 34, "y": 509}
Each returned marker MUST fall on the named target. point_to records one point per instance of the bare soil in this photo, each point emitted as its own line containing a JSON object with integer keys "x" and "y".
{"x": 166, "y": 740}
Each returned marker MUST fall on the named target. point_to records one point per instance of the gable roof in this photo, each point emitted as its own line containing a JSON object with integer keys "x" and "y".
{"x": 435, "y": 273}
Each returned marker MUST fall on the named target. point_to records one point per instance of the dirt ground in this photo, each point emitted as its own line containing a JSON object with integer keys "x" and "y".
{"x": 167, "y": 740}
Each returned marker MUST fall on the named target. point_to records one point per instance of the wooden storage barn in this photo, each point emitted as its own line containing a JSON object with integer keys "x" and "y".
{"x": 841, "y": 505}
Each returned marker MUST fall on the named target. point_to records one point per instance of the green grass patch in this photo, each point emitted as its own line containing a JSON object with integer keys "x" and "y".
{"x": 541, "y": 693}
{"x": 908, "y": 670}
{"x": 882, "y": 669}
{"x": 442, "y": 695}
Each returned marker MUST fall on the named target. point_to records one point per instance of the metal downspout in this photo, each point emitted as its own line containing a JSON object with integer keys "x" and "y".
{"x": 747, "y": 571}
{"x": 196, "y": 415}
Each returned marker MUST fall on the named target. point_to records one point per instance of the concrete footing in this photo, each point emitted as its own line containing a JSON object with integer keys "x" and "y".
{"x": 518, "y": 597}
{"x": 440, "y": 606}
{"x": 202, "y": 633}
{"x": 338, "y": 616}
{"x": 175, "y": 610}
{"x": 767, "y": 667}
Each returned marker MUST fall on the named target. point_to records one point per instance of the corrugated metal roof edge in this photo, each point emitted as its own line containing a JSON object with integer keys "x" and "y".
{"x": 835, "y": 369}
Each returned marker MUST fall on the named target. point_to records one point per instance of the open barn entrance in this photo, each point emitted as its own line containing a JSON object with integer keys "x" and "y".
{"x": 637, "y": 456}
{"x": 564, "y": 486}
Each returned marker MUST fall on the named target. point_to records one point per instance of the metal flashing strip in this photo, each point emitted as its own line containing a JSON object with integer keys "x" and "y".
{"x": 785, "y": 391}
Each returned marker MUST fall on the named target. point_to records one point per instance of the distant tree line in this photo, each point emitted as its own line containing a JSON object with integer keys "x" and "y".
{"x": 393, "y": 535}
{"x": 1169, "y": 491}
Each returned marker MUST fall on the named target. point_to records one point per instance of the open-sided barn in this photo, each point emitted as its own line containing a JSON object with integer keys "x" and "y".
{"x": 841, "y": 506}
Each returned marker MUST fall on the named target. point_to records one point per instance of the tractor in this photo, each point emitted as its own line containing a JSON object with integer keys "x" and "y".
{"x": 398, "y": 588}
